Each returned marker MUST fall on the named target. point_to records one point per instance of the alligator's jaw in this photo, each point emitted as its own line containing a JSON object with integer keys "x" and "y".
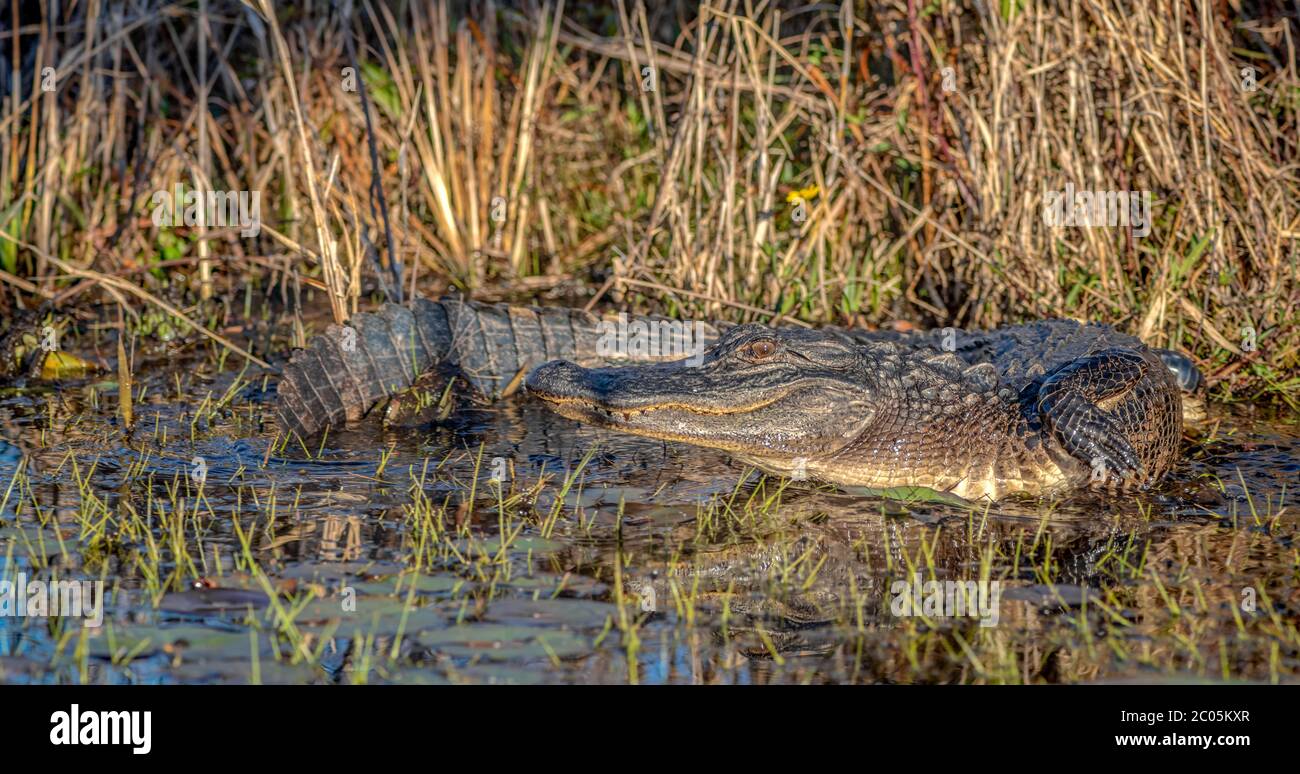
{"x": 760, "y": 414}
{"x": 667, "y": 423}
{"x": 729, "y": 430}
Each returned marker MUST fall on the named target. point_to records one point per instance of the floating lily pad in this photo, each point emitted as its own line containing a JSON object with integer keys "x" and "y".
{"x": 575, "y": 613}
{"x": 504, "y": 642}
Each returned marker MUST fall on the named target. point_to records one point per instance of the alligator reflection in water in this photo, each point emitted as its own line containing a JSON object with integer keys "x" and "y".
{"x": 795, "y": 591}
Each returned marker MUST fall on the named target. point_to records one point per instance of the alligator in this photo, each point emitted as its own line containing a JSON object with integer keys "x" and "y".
{"x": 1034, "y": 409}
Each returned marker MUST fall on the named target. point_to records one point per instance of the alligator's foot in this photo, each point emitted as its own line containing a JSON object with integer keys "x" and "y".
{"x": 1074, "y": 403}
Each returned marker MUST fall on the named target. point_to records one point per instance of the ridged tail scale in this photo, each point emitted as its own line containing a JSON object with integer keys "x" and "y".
{"x": 349, "y": 368}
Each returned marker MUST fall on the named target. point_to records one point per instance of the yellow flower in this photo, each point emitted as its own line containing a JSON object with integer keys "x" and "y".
{"x": 806, "y": 194}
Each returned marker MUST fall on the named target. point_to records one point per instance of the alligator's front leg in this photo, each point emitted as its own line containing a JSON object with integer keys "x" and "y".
{"x": 1075, "y": 402}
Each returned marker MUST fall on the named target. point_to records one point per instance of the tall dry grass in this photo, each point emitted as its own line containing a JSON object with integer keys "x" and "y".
{"x": 732, "y": 159}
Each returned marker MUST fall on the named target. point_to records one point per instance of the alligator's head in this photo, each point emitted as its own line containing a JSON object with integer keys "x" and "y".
{"x": 777, "y": 397}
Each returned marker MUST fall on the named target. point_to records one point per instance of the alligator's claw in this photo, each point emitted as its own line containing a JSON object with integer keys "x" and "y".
{"x": 1069, "y": 403}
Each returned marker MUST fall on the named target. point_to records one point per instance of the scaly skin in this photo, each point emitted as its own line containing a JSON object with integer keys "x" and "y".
{"x": 349, "y": 368}
{"x": 1034, "y": 408}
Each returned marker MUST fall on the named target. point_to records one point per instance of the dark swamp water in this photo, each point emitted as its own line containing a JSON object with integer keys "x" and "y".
{"x": 395, "y": 556}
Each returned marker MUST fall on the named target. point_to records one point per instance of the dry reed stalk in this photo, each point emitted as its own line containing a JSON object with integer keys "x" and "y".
{"x": 327, "y": 245}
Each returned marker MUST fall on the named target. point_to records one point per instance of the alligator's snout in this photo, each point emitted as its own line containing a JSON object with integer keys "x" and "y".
{"x": 660, "y": 388}
{"x": 631, "y": 388}
{"x": 559, "y": 379}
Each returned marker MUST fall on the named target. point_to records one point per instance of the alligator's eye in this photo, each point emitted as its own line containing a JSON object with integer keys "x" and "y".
{"x": 759, "y": 349}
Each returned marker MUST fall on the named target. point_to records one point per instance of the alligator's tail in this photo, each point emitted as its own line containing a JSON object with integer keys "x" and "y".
{"x": 349, "y": 368}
